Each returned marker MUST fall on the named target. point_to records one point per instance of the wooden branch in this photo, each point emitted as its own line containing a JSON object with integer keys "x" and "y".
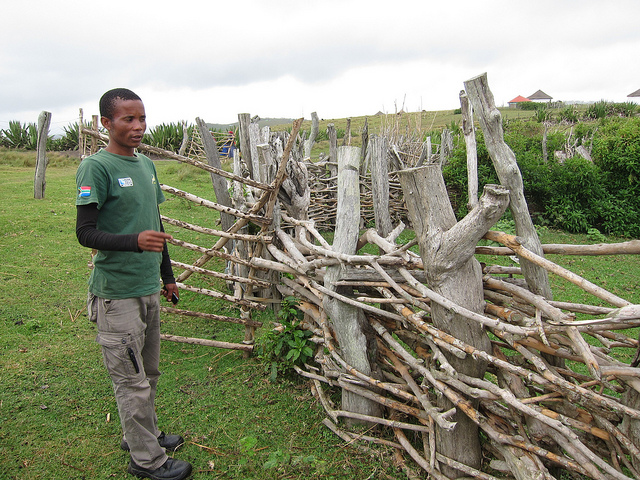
{"x": 513, "y": 243}
{"x": 174, "y": 156}
{"x": 210, "y": 316}
{"x": 218, "y": 233}
{"x": 222, "y": 296}
{"x": 208, "y": 343}
{"x": 216, "y": 206}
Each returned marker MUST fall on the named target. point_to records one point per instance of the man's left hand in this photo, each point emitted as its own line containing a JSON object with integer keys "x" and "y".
{"x": 168, "y": 290}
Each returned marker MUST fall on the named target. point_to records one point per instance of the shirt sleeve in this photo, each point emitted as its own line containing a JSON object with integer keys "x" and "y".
{"x": 89, "y": 236}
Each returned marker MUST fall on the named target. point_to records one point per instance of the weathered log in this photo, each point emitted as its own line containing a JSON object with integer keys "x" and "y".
{"x": 208, "y": 343}
{"x": 472, "y": 154}
{"x": 517, "y": 245}
{"x": 380, "y": 184}
{"x": 315, "y": 126}
{"x": 210, "y": 316}
{"x": 39, "y": 181}
{"x": 220, "y": 186}
{"x": 348, "y": 320}
{"x": 504, "y": 162}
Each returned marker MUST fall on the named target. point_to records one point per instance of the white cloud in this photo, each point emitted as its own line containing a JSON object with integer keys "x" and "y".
{"x": 289, "y": 58}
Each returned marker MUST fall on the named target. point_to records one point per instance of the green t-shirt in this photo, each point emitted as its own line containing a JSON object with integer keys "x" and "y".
{"x": 127, "y": 193}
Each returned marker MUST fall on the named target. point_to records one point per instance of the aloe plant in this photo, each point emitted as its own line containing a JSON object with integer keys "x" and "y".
{"x": 20, "y": 136}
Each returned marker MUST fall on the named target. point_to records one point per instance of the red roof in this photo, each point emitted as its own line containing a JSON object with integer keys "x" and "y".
{"x": 519, "y": 99}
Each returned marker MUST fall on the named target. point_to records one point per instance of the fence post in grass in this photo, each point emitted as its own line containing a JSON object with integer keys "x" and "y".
{"x": 472, "y": 153}
{"x": 378, "y": 148}
{"x": 504, "y": 162}
{"x": 220, "y": 186}
{"x": 333, "y": 150}
{"x": 95, "y": 125}
{"x": 348, "y": 320}
{"x": 308, "y": 144}
{"x": 39, "y": 184}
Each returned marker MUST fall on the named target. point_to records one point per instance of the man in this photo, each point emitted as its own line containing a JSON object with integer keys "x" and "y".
{"x": 117, "y": 214}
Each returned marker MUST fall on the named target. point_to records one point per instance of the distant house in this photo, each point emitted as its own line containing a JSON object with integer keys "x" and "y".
{"x": 519, "y": 99}
{"x": 634, "y": 94}
{"x": 540, "y": 97}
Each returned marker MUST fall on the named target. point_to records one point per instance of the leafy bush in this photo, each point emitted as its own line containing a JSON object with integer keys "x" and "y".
{"x": 598, "y": 110}
{"x": 528, "y": 105}
{"x": 569, "y": 114}
{"x": 69, "y": 141}
{"x": 543, "y": 114}
{"x": 576, "y": 195}
{"x": 288, "y": 345}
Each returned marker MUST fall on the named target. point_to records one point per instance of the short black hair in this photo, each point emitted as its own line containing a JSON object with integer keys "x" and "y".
{"x": 108, "y": 100}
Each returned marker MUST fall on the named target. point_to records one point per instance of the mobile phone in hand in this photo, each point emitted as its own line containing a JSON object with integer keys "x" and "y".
{"x": 174, "y": 298}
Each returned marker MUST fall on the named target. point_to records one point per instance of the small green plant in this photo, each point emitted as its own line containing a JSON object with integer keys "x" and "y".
{"x": 595, "y": 235}
{"x": 247, "y": 449}
{"x": 543, "y": 114}
{"x": 598, "y": 110}
{"x": 287, "y": 345}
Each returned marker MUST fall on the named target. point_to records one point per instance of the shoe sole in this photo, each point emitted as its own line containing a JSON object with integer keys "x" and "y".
{"x": 144, "y": 474}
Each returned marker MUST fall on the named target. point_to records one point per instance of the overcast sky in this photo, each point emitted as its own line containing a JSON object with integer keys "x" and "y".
{"x": 288, "y": 58}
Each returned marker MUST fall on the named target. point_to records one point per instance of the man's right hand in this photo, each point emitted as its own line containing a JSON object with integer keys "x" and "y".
{"x": 152, "y": 241}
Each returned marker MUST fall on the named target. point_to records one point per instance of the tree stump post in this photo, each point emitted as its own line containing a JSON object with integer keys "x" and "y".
{"x": 40, "y": 182}
{"x": 447, "y": 251}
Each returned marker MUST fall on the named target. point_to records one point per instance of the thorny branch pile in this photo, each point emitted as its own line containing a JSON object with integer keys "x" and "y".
{"x": 554, "y": 397}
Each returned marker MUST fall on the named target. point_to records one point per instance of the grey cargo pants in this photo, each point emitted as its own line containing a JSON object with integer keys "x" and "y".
{"x": 129, "y": 333}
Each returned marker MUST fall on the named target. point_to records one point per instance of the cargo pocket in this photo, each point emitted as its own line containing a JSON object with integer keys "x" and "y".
{"x": 121, "y": 357}
{"x": 92, "y": 308}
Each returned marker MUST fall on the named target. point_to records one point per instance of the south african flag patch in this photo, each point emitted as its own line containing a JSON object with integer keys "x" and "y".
{"x": 84, "y": 191}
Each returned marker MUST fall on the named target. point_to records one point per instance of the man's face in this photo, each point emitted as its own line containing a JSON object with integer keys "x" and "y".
{"x": 126, "y": 127}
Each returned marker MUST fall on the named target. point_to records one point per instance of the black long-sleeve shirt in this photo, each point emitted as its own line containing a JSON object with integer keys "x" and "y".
{"x": 89, "y": 236}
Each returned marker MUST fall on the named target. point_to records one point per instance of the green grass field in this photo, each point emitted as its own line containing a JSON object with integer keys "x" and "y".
{"x": 58, "y": 418}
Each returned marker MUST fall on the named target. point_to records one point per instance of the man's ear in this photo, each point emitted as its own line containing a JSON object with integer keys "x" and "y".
{"x": 106, "y": 122}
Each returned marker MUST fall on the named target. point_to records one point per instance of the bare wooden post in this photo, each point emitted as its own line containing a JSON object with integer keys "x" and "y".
{"x": 349, "y": 320}
{"x": 504, "y": 161}
{"x": 95, "y": 125}
{"x": 347, "y": 134}
{"x": 315, "y": 126}
{"x": 220, "y": 186}
{"x": 472, "y": 153}
{"x": 40, "y": 182}
{"x": 81, "y": 137}
{"x": 254, "y": 141}
{"x": 378, "y": 147}
{"x": 185, "y": 139}
{"x": 333, "y": 149}
{"x": 447, "y": 250}
{"x": 244, "y": 119}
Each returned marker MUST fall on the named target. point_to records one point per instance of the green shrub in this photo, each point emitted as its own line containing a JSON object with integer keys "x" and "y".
{"x": 569, "y": 114}
{"x": 166, "y": 136}
{"x": 287, "y": 346}
{"x": 598, "y": 110}
{"x": 69, "y": 141}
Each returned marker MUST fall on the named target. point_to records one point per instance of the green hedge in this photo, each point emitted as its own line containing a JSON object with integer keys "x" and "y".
{"x": 575, "y": 195}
